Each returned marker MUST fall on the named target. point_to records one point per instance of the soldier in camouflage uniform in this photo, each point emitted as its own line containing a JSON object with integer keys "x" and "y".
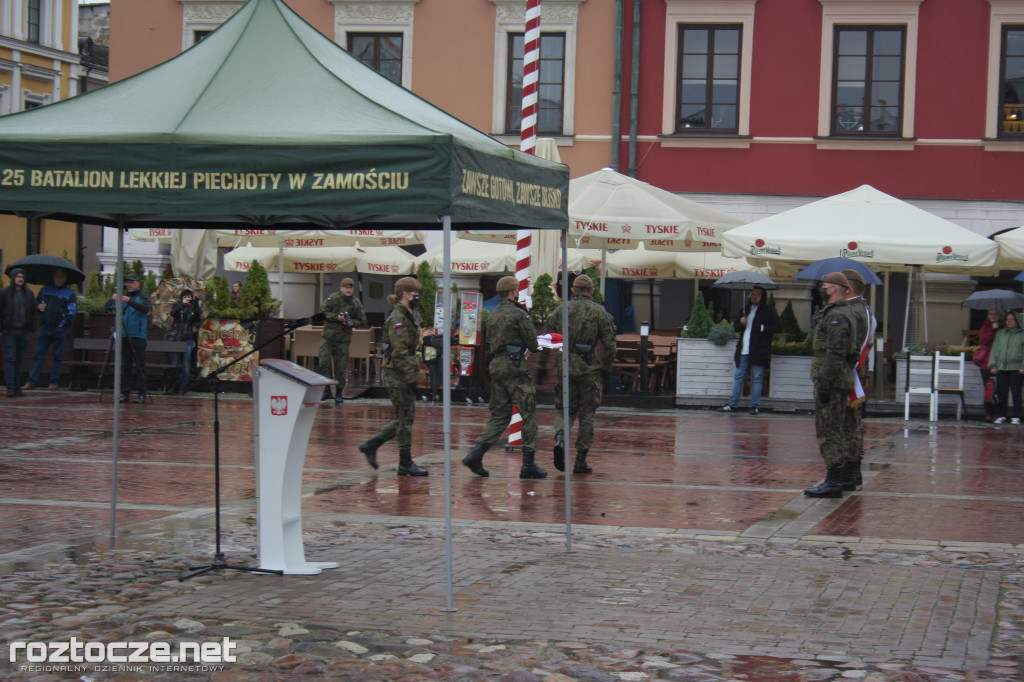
{"x": 853, "y": 428}
{"x": 589, "y": 324}
{"x": 835, "y": 353}
{"x": 343, "y": 313}
{"x": 510, "y": 334}
{"x": 400, "y": 372}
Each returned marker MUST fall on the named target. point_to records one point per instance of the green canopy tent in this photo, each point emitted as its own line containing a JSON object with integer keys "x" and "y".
{"x": 266, "y": 122}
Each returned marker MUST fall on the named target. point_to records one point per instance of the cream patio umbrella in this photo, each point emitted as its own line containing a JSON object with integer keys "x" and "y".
{"x": 1011, "y": 247}
{"x": 473, "y": 257}
{"x": 318, "y": 238}
{"x": 161, "y": 235}
{"x": 867, "y": 225}
{"x": 377, "y": 260}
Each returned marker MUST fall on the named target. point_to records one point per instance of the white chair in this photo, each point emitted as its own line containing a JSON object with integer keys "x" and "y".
{"x": 919, "y": 381}
{"x": 948, "y": 379}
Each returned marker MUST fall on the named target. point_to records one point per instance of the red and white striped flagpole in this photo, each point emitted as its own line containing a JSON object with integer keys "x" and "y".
{"x": 528, "y": 142}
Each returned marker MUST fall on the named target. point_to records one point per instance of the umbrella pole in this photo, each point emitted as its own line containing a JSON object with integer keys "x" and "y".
{"x": 567, "y": 428}
{"x": 118, "y": 324}
{"x": 280, "y": 273}
{"x": 446, "y": 402}
{"x": 906, "y": 314}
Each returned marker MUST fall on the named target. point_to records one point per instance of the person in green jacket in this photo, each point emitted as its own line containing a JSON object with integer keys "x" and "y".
{"x": 1006, "y": 362}
{"x": 343, "y": 312}
{"x": 400, "y": 373}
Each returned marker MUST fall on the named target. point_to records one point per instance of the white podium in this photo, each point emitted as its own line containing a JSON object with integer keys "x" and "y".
{"x": 287, "y": 397}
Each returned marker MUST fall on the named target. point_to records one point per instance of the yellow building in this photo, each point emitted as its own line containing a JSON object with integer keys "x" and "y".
{"x": 39, "y": 64}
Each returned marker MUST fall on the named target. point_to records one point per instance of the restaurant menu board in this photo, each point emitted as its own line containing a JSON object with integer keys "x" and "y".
{"x": 469, "y": 321}
{"x": 221, "y": 342}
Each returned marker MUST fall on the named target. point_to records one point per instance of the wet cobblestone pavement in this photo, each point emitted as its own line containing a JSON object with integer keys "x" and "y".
{"x": 694, "y": 555}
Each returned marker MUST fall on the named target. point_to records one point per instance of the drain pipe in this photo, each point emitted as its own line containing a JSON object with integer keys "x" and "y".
{"x": 634, "y": 87}
{"x": 617, "y": 87}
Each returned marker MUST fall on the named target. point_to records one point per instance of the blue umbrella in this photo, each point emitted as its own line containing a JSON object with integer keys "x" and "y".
{"x": 820, "y": 268}
{"x": 1020, "y": 277}
{"x": 1003, "y": 299}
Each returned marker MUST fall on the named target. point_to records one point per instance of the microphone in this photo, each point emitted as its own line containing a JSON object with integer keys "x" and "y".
{"x": 302, "y": 322}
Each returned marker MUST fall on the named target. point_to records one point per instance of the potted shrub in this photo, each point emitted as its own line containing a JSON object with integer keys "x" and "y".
{"x": 705, "y": 355}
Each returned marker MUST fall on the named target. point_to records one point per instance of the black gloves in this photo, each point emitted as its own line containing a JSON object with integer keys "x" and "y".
{"x": 824, "y": 395}
{"x": 412, "y": 386}
{"x": 606, "y": 376}
{"x": 542, "y": 375}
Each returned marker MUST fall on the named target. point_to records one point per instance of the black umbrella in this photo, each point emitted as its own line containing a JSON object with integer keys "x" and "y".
{"x": 1003, "y": 299}
{"x": 744, "y": 279}
{"x": 39, "y": 269}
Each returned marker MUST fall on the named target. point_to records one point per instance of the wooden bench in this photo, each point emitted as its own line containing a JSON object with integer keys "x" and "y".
{"x": 89, "y": 352}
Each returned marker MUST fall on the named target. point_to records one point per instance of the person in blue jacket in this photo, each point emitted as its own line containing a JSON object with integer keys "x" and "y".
{"x": 57, "y": 306}
{"x": 136, "y": 305}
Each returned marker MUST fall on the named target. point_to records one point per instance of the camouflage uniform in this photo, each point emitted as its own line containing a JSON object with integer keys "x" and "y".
{"x": 852, "y": 427}
{"x": 337, "y": 336}
{"x": 400, "y": 372}
{"x": 835, "y": 351}
{"x": 510, "y": 325}
{"x": 589, "y": 323}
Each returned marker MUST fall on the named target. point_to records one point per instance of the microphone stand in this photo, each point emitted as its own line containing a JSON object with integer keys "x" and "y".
{"x": 218, "y": 562}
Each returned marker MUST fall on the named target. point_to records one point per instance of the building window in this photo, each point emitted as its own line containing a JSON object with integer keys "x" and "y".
{"x": 868, "y": 80}
{"x": 1011, "y": 78}
{"x": 198, "y": 36}
{"x": 550, "y": 84}
{"x": 380, "y": 51}
{"x": 33, "y": 20}
{"x": 709, "y": 78}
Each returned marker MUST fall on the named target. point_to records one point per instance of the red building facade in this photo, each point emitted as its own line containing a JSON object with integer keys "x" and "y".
{"x": 909, "y": 96}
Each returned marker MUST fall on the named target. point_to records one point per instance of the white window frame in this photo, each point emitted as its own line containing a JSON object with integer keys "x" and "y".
{"x": 717, "y": 12}
{"x": 1003, "y": 12}
{"x": 557, "y": 16}
{"x": 377, "y": 16}
{"x": 204, "y": 15}
{"x": 867, "y": 12}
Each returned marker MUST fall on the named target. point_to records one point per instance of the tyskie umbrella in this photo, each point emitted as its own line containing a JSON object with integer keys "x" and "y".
{"x": 39, "y": 268}
{"x": 744, "y": 279}
{"x": 1003, "y": 299}
{"x": 818, "y": 269}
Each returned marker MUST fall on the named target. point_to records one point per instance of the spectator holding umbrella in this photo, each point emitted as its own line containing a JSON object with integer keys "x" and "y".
{"x": 57, "y": 306}
{"x": 986, "y": 337}
{"x": 17, "y": 317}
{"x": 1007, "y": 361}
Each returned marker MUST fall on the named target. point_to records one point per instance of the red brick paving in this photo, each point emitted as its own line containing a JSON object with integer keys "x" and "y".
{"x": 674, "y": 469}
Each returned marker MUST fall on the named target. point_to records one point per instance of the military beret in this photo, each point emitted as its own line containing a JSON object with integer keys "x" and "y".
{"x": 508, "y": 283}
{"x": 583, "y": 282}
{"x": 837, "y": 278}
{"x": 854, "y": 276}
{"x": 347, "y": 282}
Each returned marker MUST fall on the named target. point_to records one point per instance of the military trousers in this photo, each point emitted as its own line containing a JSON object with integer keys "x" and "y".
{"x": 403, "y": 397}
{"x": 829, "y": 426}
{"x": 520, "y": 392}
{"x": 584, "y": 399}
{"x": 333, "y": 360}
{"x": 853, "y": 433}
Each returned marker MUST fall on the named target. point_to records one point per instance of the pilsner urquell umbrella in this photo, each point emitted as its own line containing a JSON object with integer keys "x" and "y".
{"x": 1003, "y": 299}
{"x": 39, "y": 268}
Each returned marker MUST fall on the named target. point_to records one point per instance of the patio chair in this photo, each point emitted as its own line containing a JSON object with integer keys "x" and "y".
{"x": 919, "y": 381}
{"x": 948, "y": 379}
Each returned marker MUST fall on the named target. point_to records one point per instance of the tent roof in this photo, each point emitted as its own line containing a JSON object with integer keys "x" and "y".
{"x": 867, "y": 225}
{"x": 267, "y": 121}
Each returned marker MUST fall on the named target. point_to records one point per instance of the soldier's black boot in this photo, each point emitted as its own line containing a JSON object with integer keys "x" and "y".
{"x": 369, "y": 448}
{"x": 327, "y": 394}
{"x": 529, "y": 468}
{"x": 849, "y": 474}
{"x": 580, "y": 465}
{"x": 475, "y": 459}
{"x": 560, "y": 451}
{"x": 830, "y": 487}
{"x": 406, "y": 467}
